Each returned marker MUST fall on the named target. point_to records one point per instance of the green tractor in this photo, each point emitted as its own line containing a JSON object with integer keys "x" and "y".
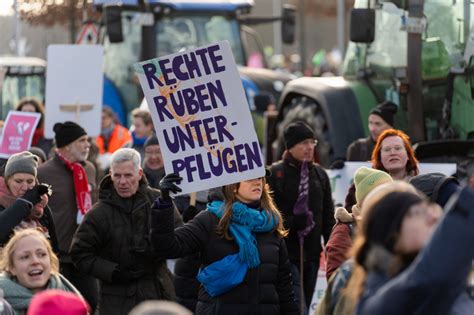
{"x": 415, "y": 53}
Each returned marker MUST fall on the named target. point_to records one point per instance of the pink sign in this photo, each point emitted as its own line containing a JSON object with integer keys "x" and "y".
{"x": 18, "y": 132}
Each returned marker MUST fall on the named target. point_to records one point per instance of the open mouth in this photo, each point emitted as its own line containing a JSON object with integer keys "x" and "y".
{"x": 35, "y": 273}
{"x": 257, "y": 190}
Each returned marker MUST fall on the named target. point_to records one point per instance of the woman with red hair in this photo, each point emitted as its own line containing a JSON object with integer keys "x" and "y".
{"x": 393, "y": 154}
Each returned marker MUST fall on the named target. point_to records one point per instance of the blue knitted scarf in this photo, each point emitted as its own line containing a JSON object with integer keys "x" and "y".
{"x": 244, "y": 221}
{"x": 225, "y": 274}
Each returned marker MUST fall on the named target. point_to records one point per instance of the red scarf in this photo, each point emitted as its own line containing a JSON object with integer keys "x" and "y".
{"x": 37, "y": 136}
{"x": 81, "y": 185}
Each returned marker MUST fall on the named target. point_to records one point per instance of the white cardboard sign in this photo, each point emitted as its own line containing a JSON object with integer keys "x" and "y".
{"x": 201, "y": 117}
{"x": 74, "y": 87}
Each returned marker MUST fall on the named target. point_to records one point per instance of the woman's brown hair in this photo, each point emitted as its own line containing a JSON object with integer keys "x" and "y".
{"x": 266, "y": 202}
{"x": 412, "y": 163}
{"x": 6, "y": 254}
{"x": 39, "y": 107}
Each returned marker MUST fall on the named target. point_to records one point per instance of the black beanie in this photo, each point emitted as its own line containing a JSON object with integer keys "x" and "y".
{"x": 151, "y": 140}
{"x": 386, "y": 111}
{"x": 296, "y": 132}
{"x": 385, "y": 218}
{"x": 67, "y": 132}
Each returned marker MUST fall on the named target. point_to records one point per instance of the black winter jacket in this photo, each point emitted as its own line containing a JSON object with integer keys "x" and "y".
{"x": 18, "y": 211}
{"x": 266, "y": 289}
{"x": 360, "y": 150}
{"x": 284, "y": 182}
{"x": 115, "y": 235}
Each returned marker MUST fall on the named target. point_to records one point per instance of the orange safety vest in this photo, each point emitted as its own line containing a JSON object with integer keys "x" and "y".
{"x": 119, "y": 137}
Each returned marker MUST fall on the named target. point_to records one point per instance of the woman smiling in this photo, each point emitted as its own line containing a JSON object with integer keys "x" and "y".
{"x": 393, "y": 154}
{"x": 29, "y": 266}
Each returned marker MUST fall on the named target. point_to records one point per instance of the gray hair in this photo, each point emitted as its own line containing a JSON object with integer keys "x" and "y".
{"x": 160, "y": 307}
{"x": 125, "y": 155}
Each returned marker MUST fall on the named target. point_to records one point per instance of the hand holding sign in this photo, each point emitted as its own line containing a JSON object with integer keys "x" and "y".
{"x": 167, "y": 184}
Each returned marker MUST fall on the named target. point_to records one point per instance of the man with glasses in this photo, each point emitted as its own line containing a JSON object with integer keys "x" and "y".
{"x": 302, "y": 192}
{"x": 153, "y": 166}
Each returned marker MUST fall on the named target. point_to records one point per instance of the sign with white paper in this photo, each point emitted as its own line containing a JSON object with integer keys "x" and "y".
{"x": 74, "y": 87}
{"x": 201, "y": 117}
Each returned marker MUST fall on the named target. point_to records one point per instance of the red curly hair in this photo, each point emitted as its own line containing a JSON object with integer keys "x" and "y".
{"x": 412, "y": 163}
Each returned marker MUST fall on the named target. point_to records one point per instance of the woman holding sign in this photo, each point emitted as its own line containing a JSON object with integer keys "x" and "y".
{"x": 244, "y": 261}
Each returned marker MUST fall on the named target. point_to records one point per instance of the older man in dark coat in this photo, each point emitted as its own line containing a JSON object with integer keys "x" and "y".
{"x": 112, "y": 243}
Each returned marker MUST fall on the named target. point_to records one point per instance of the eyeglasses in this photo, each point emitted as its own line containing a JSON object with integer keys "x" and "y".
{"x": 309, "y": 142}
{"x": 158, "y": 152}
{"x": 397, "y": 149}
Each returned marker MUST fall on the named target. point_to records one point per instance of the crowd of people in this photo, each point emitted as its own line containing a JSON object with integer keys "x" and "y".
{"x": 92, "y": 235}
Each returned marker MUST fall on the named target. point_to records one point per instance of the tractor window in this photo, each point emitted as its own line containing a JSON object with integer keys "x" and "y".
{"x": 120, "y": 57}
{"x": 390, "y": 44}
{"x": 175, "y": 33}
{"x": 443, "y": 39}
{"x": 15, "y": 87}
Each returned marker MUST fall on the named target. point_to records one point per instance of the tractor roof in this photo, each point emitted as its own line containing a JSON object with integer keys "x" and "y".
{"x": 186, "y": 5}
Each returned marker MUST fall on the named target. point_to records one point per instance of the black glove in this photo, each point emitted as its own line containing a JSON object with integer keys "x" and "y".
{"x": 189, "y": 213}
{"x": 128, "y": 275}
{"x": 34, "y": 194}
{"x": 300, "y": 221}
{"x": 167, "y": 184}
{"x": 337, "y": 164}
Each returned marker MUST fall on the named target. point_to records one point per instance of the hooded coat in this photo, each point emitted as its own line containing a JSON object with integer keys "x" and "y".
{"x": 114, "y": 235}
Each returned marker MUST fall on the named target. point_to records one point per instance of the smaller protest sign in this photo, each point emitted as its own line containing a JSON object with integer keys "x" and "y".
{"x": 18, "y": 132}
{"x": 201, "y": 117}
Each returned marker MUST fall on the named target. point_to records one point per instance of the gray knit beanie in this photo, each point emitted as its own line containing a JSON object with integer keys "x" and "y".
{"x": 23, "y": 162}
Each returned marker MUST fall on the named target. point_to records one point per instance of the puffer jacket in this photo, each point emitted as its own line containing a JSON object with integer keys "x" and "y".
{"x": 266, "y": 289}
{"x": 115, "y": 235}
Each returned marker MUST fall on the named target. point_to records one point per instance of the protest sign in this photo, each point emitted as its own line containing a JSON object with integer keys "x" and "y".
{"x": 201, "y": 117}
{"x": 74, "y": 86}
{"x": 342, "y": 179}
{"x": 18, "y": 132}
